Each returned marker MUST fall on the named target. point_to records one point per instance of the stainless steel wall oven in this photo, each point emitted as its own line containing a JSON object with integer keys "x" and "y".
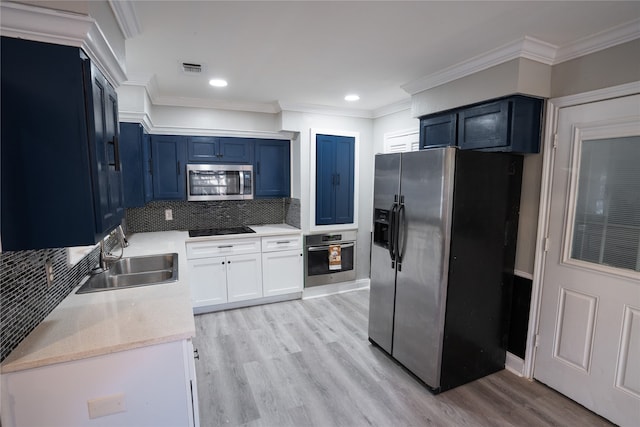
{"x": 318, "y": 270}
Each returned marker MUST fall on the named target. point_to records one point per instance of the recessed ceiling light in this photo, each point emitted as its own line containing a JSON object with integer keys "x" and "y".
{"x": 218, "y": 82}
{"x": 351, "y": 97}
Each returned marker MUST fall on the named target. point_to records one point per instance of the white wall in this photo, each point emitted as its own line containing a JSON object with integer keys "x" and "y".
{"x": 302, "y": 123}
{"x": 400, "y": 121}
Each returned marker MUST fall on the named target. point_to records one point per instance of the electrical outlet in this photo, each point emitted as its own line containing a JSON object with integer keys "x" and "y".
{"x": 48, "y": 270}
{"x": 168, "y": 215}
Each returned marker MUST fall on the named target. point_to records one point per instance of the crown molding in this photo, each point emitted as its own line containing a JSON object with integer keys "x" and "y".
{"x": 325, "y": 110}
{"x": 605, "y": 39}
{"x": 127, "y": 17}
{"x": 177, "y": 101}
{"x": 396, "y": 107}
{"x": 63, "y": 28}
{"x": 527, "y": 47}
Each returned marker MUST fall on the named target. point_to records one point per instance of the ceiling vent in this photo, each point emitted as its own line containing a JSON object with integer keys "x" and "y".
{"x": 192, "y": 68}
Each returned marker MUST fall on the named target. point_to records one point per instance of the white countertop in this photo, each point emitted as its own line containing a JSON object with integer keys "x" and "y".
{"x": 99, "y": 323}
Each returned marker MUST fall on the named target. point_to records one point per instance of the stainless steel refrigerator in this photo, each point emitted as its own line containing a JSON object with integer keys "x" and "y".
{"x": 445, "y": 225}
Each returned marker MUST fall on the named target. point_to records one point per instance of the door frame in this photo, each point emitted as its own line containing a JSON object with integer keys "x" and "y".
{"x": 550, "y": 140}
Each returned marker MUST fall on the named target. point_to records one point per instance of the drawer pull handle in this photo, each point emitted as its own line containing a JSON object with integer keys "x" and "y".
{"x": 225, "y": 246}
{"x": 283, "y": 242}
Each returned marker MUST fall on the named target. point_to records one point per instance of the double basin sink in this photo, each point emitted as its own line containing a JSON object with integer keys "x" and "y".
{"x": 133, "y": 272}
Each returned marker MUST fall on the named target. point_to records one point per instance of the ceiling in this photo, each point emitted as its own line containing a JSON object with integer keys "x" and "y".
{"x": 313, "y": 53}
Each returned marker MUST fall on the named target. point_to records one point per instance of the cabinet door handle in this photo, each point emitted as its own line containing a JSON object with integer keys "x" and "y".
{"x": 116, "y": 148}
{"x": 222, "y": 262}
{"x": 195, "y": 354}
{"x": 178, "y": 167}
{"x": 150, "y": 166}
{"x": 258, "y": 168}
{"x": 337, "y": 179}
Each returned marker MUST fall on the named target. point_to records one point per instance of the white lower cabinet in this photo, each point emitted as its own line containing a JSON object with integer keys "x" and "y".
{"x": 234, "y": 270}
{"x": 281, "y": 272}
{"x": 208, "y": 281}
{"x": 147, "y": 386}
{"x": 217, "y": 279}
{"x": 244, "y": 277}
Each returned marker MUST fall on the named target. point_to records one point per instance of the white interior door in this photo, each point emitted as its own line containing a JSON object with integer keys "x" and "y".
{"x": 589, "y": 327}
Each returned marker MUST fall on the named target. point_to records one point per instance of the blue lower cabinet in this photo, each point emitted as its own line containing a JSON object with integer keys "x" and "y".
{"x": 335, "y": 160}
{"x": 272, "y": 168}
{"x": 168, "y": 156}
{"x": 61, "y": 176}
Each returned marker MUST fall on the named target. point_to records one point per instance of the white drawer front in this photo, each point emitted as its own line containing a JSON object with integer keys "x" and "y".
{"x": 281, "y": 243}
{"x": 222, "y": 247}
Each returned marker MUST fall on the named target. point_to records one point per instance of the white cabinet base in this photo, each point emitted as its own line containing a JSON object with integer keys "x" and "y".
{"x": 148, "y": 386}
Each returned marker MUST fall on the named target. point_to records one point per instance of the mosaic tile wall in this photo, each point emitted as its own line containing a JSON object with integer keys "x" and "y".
{"x": 219, "y": 214}
{"x": 25, "y": 298}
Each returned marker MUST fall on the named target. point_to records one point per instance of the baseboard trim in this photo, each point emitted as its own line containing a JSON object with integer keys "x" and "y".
{"x": 247, "y": 303}
{"x": 335, "y": 288}
{"x": 514, "y": 364}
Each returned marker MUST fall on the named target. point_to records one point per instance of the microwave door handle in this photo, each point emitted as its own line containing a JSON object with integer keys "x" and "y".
{"x": 241, "y": 176}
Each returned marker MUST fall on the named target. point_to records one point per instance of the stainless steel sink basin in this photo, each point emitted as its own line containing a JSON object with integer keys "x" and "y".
{"x": 134, "y": 271}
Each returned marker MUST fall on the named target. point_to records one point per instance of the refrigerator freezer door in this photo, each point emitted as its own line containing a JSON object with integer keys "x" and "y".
{"x": 421, "y": 284}
{"x": 383, "y": 274}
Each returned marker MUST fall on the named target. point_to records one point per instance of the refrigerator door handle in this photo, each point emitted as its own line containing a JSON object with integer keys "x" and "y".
{"x": 400, "y": 237}
{"x": 392, "y": 232}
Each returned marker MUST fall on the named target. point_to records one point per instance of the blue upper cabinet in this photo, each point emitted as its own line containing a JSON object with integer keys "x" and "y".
{"x": 168, "y": 155}
{"x": 438, "y": 130}
{"x": 272, "y": 168}
{"x": 335, "y": 159}
{"x": 209, "y": 149}
{"x": 61, "y": 173}
{"x": 134, "y": 166}
{"x": 510, "y": 124}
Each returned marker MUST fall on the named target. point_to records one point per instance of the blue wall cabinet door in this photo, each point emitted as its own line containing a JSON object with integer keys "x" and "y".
{"x": 235, "y": 150}
{"x": 334, "y": 179}
{"x": 272, "y": 168}
{"x": 147, "y": 167}
{"x": 484, "y": 126}
{"x": 202, "y": 149}
{"x": 61, "y": 174}
{"x": 210, "y": 149}
{"x": 438, "y": 130}
{"x": 134, "y": 164}
{"x": 168, "y": 154}
{"x": 508, "y": 125}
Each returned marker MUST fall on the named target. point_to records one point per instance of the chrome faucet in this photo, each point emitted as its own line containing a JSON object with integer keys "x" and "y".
{"x": 107, "y": 258}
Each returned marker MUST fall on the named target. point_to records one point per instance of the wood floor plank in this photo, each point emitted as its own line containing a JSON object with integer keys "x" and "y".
{"x": 309, "y": 363}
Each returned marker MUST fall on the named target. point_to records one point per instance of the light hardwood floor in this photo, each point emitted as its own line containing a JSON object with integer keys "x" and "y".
{"x": 309, "y": 363}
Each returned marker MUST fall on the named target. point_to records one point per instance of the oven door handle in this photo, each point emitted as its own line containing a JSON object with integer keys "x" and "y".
{"x": 325, "y": 248}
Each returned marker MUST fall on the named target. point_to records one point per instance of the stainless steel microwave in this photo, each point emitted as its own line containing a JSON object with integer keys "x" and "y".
{"x": 219, "y": 182}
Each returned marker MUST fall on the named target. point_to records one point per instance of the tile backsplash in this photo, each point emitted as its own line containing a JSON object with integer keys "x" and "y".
{"x": 25, "y": 297}
{"x": 219, "y": 214}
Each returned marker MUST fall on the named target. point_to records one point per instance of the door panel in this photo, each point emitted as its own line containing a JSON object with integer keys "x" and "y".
{"x": 383, "y": 273}
{"x": 588, "y": 328}
{"x": 244, "y": 277}
{"x": 427, "y": 187}
{"x": 344, "y": 179}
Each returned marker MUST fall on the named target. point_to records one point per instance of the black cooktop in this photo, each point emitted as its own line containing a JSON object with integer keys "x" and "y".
{"x": 220, "y": 231}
